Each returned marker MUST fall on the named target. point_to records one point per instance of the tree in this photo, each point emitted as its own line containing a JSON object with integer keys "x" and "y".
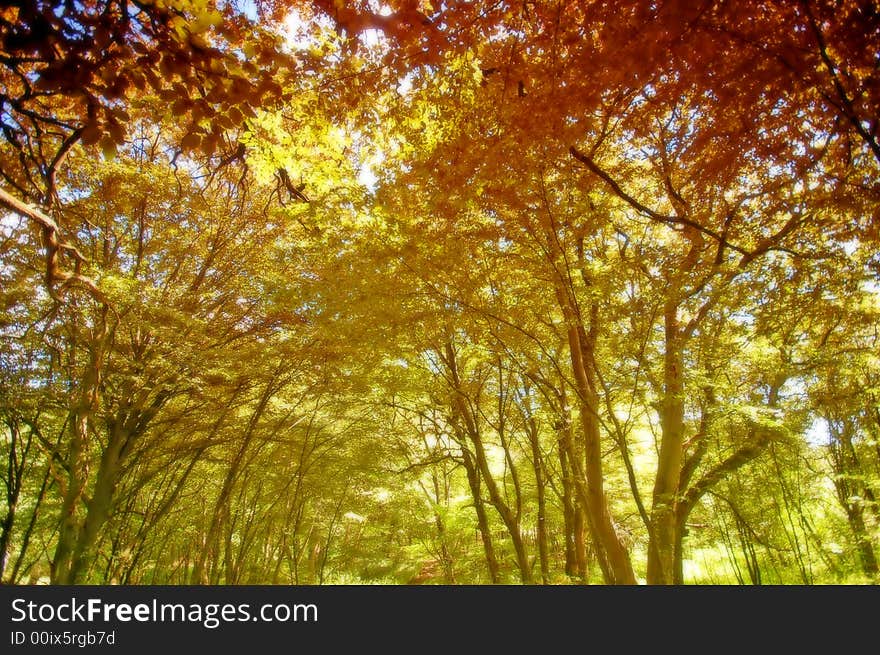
{"x": 439, "y": 291}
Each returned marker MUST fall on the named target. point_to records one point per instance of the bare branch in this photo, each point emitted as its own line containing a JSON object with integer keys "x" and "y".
{"x": 55, "y": 247}
{"x": 587, "y": 161}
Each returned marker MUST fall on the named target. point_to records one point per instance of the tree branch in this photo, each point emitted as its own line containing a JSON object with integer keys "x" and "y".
{"x": 846, "y": 104}
{"x": 55, "y": 247}
{"x": 587, "y": 161}
{"x": 743, "y": 455}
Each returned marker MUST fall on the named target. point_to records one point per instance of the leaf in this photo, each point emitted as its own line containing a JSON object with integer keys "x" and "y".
{"x": 180, "y": 106}
{"x": 191, "y": 141}
{"x": 91, "y": 134}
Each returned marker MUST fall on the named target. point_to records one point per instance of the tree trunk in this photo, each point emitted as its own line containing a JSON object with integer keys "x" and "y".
{"x": 540, "y": 485}
{"x": 199, "y": 573}
{"x": 68, "y": 533}
{"x": 445, "y": 555}
{"x": 867, "y": 558}
{"x": 482, "y": 520}
{"x": 461, "y": 412}
{"x": 582, "y": 564}
{"x": 98, "y": 511}
{"x": 664, "y": 527}
{"x": 572, "y": 508}
{"x": 612, "y": 554}
{"x": 510, "y": 520}
{"x": 16, "y": 464}
{"x": 681, "y": 514}
{"x": 567, "y": 515}
{"x": 849, "y": 482}
{"x": 589, "y": 478}
{"x": 80, "y": 418}
{"x": 29, "y": 530}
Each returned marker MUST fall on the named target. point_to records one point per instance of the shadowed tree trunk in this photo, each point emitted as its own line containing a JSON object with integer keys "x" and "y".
{"x": 473, "y": 477}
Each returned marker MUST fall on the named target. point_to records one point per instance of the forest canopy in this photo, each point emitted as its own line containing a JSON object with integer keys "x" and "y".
{"x": 424, "y": 291}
